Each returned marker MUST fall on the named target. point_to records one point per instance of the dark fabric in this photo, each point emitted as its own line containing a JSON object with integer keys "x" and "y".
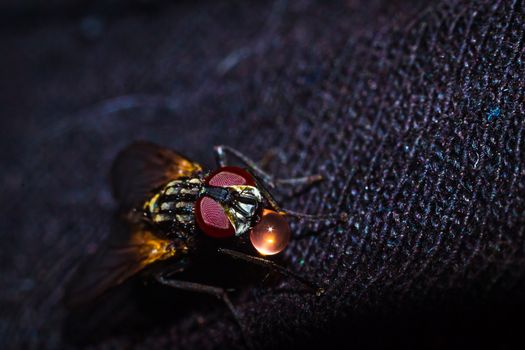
{"x": 413, "y": 111}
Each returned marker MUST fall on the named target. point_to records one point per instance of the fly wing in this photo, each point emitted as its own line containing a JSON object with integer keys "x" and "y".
{"x": 116, "y": 264}
{"x": 144, "y": 167}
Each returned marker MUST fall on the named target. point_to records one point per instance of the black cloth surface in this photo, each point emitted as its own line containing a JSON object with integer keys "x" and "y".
{"x": 413, "y": 111}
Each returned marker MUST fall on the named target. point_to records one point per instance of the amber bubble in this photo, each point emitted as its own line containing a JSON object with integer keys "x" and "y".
{"x": 271, "y": 235}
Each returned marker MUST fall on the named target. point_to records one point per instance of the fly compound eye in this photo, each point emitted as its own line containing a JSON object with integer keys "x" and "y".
{"x": 212, "y": 219}
{"x": 271, "y": 235}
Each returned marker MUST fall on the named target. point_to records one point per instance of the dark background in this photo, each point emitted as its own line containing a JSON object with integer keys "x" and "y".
{"x": 413, "y": 110}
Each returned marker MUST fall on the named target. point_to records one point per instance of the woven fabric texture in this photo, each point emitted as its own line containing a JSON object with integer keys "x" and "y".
{"x": 413, "y": 111}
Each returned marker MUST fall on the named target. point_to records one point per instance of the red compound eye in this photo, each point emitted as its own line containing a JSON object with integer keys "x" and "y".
{"x": 209, "y": 214}
{"x": 229, "y": 176}
{"x": 211, "y": 218}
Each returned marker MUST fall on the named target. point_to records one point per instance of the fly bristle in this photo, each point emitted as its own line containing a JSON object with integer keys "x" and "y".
{"x": 174, "y": 206}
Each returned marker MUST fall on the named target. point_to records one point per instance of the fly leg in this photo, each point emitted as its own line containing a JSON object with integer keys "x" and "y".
{"x": 274, "y": 267}
{"x": 308, "y": 217}
{"x": 268, "y": 157}
{"x": 267, "y": 179}
{"x": 222, "y": 151}
{"x": 217, "y": 292}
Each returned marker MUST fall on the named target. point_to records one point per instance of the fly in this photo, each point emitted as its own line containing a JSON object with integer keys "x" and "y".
{"x": 172, "y": 206}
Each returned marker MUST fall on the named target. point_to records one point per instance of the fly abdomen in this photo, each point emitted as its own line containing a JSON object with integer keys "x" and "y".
{"x": 180, "y": 207}
{"x": 172, "y": 209}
